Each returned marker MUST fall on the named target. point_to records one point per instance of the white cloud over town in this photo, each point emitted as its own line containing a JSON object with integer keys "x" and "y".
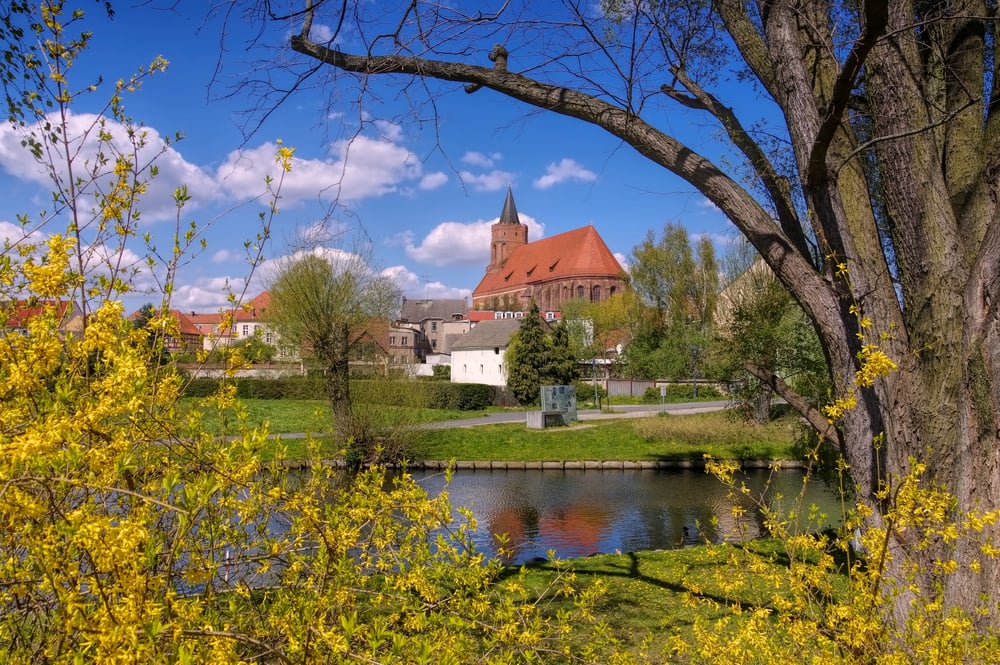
{"x": 208, "y": 295}
{"x": 481, "y": 159}
{"x": 461, "y": 243}
{"x": 84, "y": 130}
{"x": 493, "y": 181}
{"x": 564, "y": 170}
{"x": 433, "y": 180}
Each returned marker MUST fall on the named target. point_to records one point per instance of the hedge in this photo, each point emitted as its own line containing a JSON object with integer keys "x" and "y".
{"x": 427, "y": 394}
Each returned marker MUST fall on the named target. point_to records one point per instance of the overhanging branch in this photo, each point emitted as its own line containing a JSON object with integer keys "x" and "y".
{"x": 812, "y": 415}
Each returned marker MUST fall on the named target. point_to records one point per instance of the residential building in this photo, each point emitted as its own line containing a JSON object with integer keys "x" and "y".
{"x": 68, "y": 312}
{"x": 479, "y": 356}
{"x": 437, "y": 320}
{"x": 551, "y": 271}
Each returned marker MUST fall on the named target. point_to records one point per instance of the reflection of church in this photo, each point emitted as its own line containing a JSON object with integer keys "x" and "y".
{"x": 575, "y": 264}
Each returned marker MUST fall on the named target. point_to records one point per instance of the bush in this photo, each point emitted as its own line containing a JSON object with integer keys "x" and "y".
{"x": 681, "y": 392}
{"x": 413, "y": 394}
{"x": 585, "y": 392}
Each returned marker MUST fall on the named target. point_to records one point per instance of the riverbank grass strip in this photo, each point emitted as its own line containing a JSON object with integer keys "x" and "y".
{"x": 686, "y": 437}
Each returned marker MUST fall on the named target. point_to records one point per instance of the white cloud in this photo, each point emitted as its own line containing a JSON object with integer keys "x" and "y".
{"x": 226, "y": 255}
{"x": 439, "y": 290}
{"x": 433, "y": 180}
{"x": 493, "y": 181}
{"x": 564, "y": 170}
{"x": 705, "y": 203}
{"x": 451, "y": 243}
{"x": 389, "y": 131}
{"x": 410, "y": 284}
{"x": 481, "y": 159}
{"x": 321, "y": 33}
{"x": 361, "y": 167}
{"x": 623, "y": 261}
{"x": 83, "y": 129}
{"x": 208, "y": 295}
{"x": 15, "y": 233}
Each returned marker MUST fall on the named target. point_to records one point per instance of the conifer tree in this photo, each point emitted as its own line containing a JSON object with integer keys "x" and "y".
{"x": 561, "y": 367}
{"x": 527, "y": 357}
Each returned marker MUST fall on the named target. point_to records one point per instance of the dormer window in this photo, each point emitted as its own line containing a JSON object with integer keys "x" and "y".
{"x": 508, "y": 276}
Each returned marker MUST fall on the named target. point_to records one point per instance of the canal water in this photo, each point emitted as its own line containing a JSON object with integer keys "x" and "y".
{"x": 576, "y": 513}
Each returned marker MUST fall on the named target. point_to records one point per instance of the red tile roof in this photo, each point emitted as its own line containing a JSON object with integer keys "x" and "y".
{"x": 577, "y": 253}
{"x": 25, "y": 310}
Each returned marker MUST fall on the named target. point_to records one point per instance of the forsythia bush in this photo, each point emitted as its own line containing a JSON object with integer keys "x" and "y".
{"x": 128, "y": 533}
{"x": 131, "y": 535}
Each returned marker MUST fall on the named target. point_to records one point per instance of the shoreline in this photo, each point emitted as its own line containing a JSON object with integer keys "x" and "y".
{"x": 556, "y": 465}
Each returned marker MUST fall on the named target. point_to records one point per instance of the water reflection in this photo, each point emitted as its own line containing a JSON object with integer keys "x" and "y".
{"x": 582, "y": 512}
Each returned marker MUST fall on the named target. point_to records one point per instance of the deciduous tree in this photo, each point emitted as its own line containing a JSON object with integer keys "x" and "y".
{"x": 884, "y": 227}
{"x": 762, "y": 333}
{"x": 681, "y": 283}
{"x": 321, "y": 301}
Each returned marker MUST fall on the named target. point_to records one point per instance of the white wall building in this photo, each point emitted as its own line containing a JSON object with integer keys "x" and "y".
{"x": 480, "y": 355}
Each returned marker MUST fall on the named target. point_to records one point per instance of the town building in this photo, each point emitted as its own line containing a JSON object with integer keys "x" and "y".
{"x": 576, "y": 264}
{"x": 479, "y": 356}
{"x": 438, "y": 321}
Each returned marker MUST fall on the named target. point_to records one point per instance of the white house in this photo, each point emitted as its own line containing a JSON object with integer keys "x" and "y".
{"x": 480, "y": 355}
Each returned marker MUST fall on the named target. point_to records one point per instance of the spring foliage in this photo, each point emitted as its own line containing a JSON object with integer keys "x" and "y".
{"x": 130, "y": 534}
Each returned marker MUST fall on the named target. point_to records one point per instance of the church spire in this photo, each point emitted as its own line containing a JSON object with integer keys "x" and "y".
{"x": 509, "y": 214}
{"x": 507, "y": 235}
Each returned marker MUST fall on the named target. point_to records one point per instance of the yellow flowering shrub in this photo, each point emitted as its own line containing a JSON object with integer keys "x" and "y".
{"x": 130, "y": 533}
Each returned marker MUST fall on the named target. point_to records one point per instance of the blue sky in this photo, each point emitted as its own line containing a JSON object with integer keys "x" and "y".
{"x": 424, "y": 195}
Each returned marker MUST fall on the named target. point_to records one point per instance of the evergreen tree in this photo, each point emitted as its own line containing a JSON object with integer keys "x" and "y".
{"x": 527, "y": 357}
{"x": 561, "y": 367}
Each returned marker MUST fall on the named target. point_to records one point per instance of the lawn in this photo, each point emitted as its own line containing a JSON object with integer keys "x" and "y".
{"x": 665, "y": 437}
{"x": 651, "y": 601}
{"x": 286, "y": 416}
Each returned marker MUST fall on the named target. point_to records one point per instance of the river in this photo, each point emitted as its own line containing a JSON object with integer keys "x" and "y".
{"x": 582, "y": 512}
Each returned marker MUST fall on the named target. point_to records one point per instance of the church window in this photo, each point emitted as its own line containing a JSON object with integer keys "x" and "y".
{"x": 579, "y": 291}
{"x": 595, "y": 294}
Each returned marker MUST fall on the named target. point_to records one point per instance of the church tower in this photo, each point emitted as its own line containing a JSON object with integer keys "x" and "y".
{"x": 507, "y": 235}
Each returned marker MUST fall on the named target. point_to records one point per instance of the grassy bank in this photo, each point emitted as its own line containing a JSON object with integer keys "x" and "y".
{"x": 665, "y": 437}
{"x": 672, "y": 606}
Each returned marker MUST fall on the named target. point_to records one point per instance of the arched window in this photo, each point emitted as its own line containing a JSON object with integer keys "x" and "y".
{"x": 612, "y": 291}
{"x": 595, "y": 294}
{"x": 580, "y": 292}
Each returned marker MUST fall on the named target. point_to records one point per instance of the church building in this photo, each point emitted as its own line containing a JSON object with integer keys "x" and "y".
{"x": 551, "y": 271}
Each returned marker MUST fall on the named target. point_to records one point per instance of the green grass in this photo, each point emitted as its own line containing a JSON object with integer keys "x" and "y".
{"x": 651, "y": 599}
{"x": 665, "y": 437}
{"x": 673, "y": 437}
{"x": 286, "y": 416}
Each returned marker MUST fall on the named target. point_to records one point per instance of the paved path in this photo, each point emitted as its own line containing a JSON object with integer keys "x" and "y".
{"x": 617, "y": 411}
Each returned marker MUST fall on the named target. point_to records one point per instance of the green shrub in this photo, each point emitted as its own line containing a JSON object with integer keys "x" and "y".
{"x": 585, "y": 392}
{"x": 679, "y": 392}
